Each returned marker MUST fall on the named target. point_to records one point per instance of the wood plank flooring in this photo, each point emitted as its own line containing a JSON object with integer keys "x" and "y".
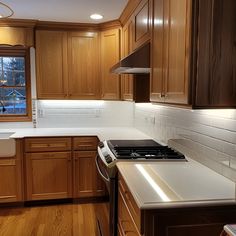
{"x": 63, "y": 220}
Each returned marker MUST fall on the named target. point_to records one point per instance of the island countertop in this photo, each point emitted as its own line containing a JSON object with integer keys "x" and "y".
{"x": 176, "y": 184}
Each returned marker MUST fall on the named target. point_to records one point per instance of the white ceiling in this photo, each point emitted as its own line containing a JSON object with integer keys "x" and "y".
{"x": 66, "y": 10}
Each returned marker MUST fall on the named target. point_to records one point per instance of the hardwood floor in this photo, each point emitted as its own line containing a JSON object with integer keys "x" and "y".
{"x": 63, "y": 220}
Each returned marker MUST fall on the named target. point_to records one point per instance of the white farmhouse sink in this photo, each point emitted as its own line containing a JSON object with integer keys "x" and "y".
{"x": 7, "y": 145}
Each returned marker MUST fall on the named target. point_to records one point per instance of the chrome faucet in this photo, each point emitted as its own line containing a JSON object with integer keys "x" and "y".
{"x": 3, "y": 107}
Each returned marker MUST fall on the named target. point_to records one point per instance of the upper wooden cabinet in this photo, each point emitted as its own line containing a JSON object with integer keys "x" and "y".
{"x": 110, "y": 55}
{"x": 83, "y": 65}
{"x": 51, "y": 64}
{"x": 170, "y": 51}
{"x": 127, "y": 48}
{"x": 215, "y": 54}
{"x": 67, "y": 65}
{"x": 142, "y": 23}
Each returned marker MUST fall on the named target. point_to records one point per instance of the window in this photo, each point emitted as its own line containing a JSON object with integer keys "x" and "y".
{"x": 15, "y": 102}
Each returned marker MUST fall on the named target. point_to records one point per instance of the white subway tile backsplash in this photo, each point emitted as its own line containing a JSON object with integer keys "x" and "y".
{"x": 210, "y": 133}
{"x": 78, "y": 113}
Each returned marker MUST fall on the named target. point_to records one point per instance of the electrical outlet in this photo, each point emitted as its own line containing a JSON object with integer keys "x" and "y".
{"x": 41, "y": 113}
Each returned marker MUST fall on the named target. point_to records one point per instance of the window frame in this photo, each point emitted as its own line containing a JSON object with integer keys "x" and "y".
{"x": 19, "y": 51}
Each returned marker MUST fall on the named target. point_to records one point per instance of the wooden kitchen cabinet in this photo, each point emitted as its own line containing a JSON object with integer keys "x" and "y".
{"x": 67, "y": 65}
{"x": 110, "y": 55}
{"x": 83, "y": 65}
{"x": 48, "y": 164}
{"x": 129, "y": 214}
{"x": 11, "y": 189}
{"x": 87, "y": 182}
{"x": 127, "y": 48}
{"x": 142, "y": 23}
{"x": 171, "y": 51}
{"x": 215, "y": 54}
{"x": 126, "y": 225}
{"x": 51, "y": 64}
{"x": 179, "y": 220}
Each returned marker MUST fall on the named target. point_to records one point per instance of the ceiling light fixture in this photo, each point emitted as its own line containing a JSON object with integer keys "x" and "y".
{"x": 96, "y": 16}
{"x": 5, "y": 11}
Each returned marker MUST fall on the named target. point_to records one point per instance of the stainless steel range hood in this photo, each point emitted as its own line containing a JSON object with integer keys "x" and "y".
{"x": 137, "y": 62}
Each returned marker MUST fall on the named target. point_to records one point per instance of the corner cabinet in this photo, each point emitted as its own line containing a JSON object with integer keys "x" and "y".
{"x": 110, "y": 55}
{"x": 171, "y": 44}
{"x": 215, "y": 54}
{"x": 51, "y": 64}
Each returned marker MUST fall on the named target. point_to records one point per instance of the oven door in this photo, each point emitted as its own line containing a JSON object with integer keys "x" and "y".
{"x": 106, "y": 213}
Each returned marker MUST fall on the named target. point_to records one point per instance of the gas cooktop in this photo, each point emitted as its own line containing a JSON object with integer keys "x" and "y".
{"x": 143, "y": 150}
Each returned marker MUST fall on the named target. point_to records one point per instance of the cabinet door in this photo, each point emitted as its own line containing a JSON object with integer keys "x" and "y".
{"x": 142, "y": 26}
{"x": 83, "y": 64}
{"x": 86, "y": 179}
{"x": 110, "y": 55}
{"x": 157, "y": 77}
{"x": 171, "y": 42}
{"x": 51, "y": 64}
{"x": 126, "y": 226}
{"x": 48, "y": 175}
{"x": 10, "y": 180}
{"x": 215, "y": 84}
{"x": 127, "y": 80}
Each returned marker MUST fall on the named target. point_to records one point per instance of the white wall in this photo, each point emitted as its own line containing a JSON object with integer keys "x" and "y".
{"x": 211, "y": 134}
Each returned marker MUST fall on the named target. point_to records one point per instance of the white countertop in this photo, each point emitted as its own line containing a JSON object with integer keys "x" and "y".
{"x": 176, "y": 184}
{"x": 182, "y": 183}
{"x": 102, "y": 132}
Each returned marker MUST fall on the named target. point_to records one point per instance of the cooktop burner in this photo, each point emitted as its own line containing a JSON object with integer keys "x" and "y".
{"x": 143, "y": 149}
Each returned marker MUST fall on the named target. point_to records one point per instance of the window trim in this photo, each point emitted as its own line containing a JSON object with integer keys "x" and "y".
{"x": 25, "y": 52}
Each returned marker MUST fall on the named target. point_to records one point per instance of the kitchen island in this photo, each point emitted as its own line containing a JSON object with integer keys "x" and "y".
{"x": 174, "y": 198}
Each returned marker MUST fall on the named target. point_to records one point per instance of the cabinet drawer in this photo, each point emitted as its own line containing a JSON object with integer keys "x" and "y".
{"x": 47, "y": 144}
{"x": 126, "y": 225}
{"x": 49, "y": 155}
{"x": 129, "y": 200}
{"x": 85, "y": 143}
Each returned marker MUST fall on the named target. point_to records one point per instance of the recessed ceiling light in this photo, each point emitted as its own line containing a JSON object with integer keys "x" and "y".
{"x": 96, "y": 16}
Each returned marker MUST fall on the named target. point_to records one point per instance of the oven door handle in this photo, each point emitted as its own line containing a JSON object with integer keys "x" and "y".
{"x": 100, "y": 172}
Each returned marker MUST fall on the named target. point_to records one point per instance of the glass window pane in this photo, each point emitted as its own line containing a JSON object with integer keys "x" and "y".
{"x": 12, "y": 71}
{"x": 14, "y": 100}
{"x": 19, "y": 78}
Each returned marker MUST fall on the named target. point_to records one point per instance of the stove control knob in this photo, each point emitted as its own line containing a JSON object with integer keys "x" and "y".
{"x": 108, "y": 158}
{"x": 101, "y": 144}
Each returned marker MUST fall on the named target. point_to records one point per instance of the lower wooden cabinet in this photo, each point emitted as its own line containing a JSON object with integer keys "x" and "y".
{"x": 11, "y": 177}
{"x": 87, "y": 183}
{"x": 126, "y": 225}
{"x": 48, "y": 175}
{"x": 61, "y": 167}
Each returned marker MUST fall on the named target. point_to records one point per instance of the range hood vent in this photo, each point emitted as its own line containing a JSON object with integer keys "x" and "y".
{"x": 137, "y": 62}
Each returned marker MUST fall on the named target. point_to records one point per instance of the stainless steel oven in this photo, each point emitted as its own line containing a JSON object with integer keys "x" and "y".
{"x": 106, "y": 215}
{"x": 112, "y": 151}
